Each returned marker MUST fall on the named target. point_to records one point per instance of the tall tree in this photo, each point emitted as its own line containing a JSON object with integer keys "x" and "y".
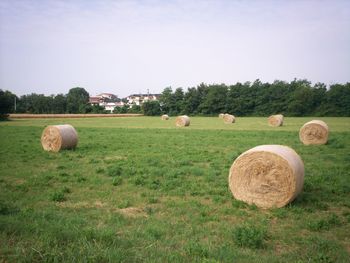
{"x": 77, "y": 100}
{"x": 59, "y": 103}
{"x": 166, "y": 100}
{"x": 7, "y": 100}
{"x": 215, "y": 100}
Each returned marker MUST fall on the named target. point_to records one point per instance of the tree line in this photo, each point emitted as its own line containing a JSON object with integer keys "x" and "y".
{"x": 295, "y": 98}
{"x": 76, "y": 101}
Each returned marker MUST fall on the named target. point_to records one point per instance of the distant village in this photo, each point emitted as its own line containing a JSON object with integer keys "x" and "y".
{"x": 110, "y": 101}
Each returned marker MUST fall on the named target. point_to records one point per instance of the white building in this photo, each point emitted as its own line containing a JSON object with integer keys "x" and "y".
{"x": 109, "y": 106}
{"x": 106, "y": 100}
{"x": 138, "y": 99}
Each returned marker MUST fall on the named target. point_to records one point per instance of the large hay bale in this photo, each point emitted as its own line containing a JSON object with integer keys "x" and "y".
{"x": 314, "y": 132}
{"x": 59, "y": 137}
{"x": 276, "y": 120}
{"x": 165, "y": 117}
{"x": 221, "y": 115}
{"x": 267, "y": 176}
{"x": 182, "y": 121}
{"x": 228, "y": 118}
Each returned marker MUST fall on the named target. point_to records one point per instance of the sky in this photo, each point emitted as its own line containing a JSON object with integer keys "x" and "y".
{"x": 127, "y": 47}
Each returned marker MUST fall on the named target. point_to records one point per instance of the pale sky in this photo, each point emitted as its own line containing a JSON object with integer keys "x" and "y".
{"x": 126, "y": 47}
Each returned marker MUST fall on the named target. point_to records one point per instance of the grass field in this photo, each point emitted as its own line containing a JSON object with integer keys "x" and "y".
{"x": 140, "y": 190}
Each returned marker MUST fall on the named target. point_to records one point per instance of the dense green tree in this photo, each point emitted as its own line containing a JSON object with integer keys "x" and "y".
{"x": 77, "y": 100}
{"x": 166, "y": 100}
{"x": 337, "y": 101}
{"x": 7, "y": 101}
{"x": 59, "y": 104}
{"x": 214, "y": 101}
{"x": 191, "y": 101}
{"x": 178, "y": 102}
{"x": 151, "y": 108}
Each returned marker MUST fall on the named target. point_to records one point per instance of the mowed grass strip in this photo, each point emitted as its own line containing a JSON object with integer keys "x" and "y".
{"x": 129, "y": 194}
{"x": 340, "y": 124}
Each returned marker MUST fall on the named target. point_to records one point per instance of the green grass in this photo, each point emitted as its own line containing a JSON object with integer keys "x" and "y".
{"x": 141, "y": 190}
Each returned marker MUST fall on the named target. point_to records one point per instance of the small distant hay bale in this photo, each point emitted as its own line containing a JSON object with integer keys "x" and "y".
{"x": 182, "y": 121}
{"x": 267, "y": 176}
{"x": 228, "y": 118}
{"x": 314, "y": 132}
{"x": 276, "y": 120}
{"x": 221, "y": 115}
{"x": 59, "y": 137}
{"x": 165, "y": 117}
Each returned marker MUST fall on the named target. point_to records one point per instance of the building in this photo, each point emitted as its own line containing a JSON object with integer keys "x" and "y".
{"x": 110, "y": 106}
{"x": 106, "y": 100}
{"x": 138, "y": 99}
{"x": 107, "y": 96}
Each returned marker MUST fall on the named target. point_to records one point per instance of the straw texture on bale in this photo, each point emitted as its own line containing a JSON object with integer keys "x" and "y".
{"x": 276, "y": 120}
{"x": 228, "y": 118}
{"x": 182, "y": 121}
{"x": 221, "y": 115}
{"x": 314, "y": 132}
{"x": 59, "y": 137}
{"x": 267, "y": 176}
{"x": 165, "y": 117}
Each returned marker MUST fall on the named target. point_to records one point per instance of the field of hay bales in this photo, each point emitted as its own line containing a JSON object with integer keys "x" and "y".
{"x": 143, "y": 190}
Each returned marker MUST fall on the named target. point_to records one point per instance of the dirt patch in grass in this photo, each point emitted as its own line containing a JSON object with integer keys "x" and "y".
{"x": 96, "y": 204}
{"x": 132, "y": 212}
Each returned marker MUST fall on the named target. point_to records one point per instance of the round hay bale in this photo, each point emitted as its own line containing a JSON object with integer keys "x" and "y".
{"x": 182, "y": 121}
{"x": 267, "y": 176}
{"x": 314, "y": 132}
{"x": 165, "y": 117}
{"x": 221, "y": 115}
{"x": 228, "y": 118}
{"x": 276, "y": 120}
{"x": 59, "y": 137}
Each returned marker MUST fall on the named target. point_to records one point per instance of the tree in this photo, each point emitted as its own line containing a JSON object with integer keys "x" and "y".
{"x": 215, "y": 99}
{"x": 337, "y": 101}
{"x": 191, "y": 101}
{"x": 59, "y": 104}
{"x": 7, "y": 100}
{"x": 151, "y": 108}
{"x": 77, "y": 100}
{"x": 166, "y": 100}
{"x": 178, "y": 102}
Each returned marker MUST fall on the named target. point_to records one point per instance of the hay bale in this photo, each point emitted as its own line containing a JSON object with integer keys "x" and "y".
{"x": 165, "y": 117}
{"x": 267, "y": 176}
{"x": 314, "y": 132}
{"x": 182, "y": 121}
{"x": 228, "y": 118}
{"x": 221, "y": 115}
{"x": 59, "y": 137}
{"x": 276, "y": 120}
